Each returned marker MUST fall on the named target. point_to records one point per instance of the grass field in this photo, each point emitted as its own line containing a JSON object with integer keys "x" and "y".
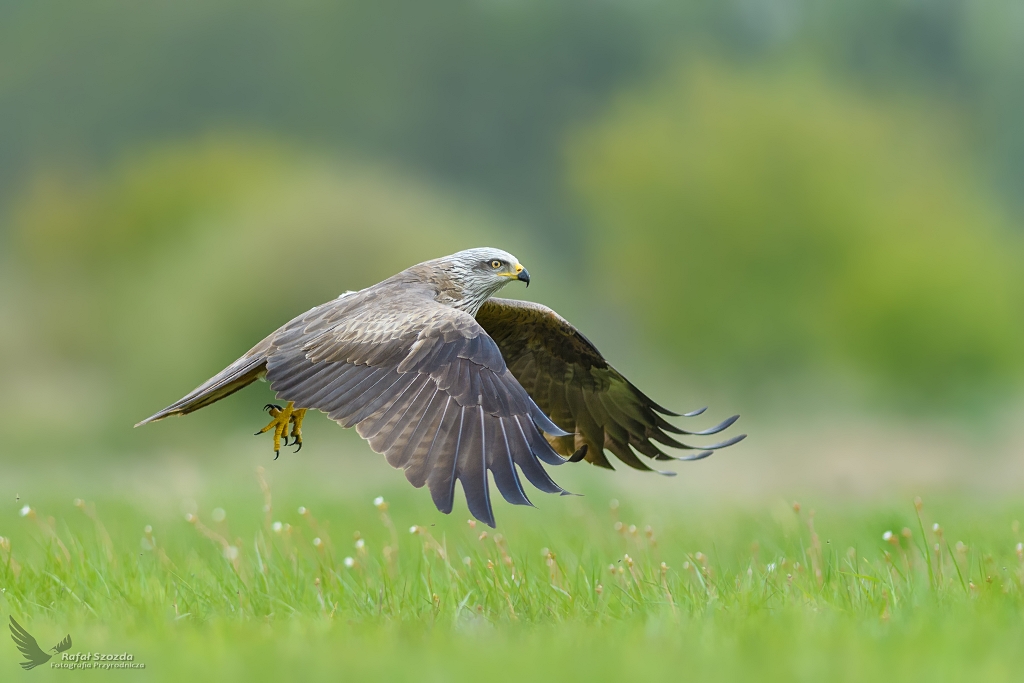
{"x": 264, "y": 584}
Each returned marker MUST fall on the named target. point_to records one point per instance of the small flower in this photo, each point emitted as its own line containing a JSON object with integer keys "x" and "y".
{"x": 303, "y": 510}
{"x": 379, "y": 503}
{"x": 599, "y": 589}
{"x": 360, "y": 544}
{"x": 617, "y": 526}
{"x": 349, "y": 562}
{"x": 468, "y": 561}
{"x": 190, "y": 518}
{"x": 614, "y": 504}
{"x": 414, "y": 529}
{"x": 936, "y": 528}
{"x": 796, "y": 506}
{"x": 147, "y": 529}
{"x": 5, "y": 543}
{"x": 770, "y": 567}
{"x": 632, "y": 529}
{"x": 472, "y": 523}
{"x": 276, "y": 526}
{"x": 317, "y": 542}
{"x": 78, "y": 503}
{"x": 231, "y": 553}
{"x": 25, "y": 511}
{"x": 483, "y": 536}
{"x": 218, "y": 514}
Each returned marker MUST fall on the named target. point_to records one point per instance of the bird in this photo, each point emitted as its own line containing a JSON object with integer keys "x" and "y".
{"x": 29, "y": 648}
{"x": 449, "y": 383}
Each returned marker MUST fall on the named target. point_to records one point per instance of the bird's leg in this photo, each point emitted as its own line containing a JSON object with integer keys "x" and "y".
{"x": 279, "y": 423}
{"x": 297, "y": 416}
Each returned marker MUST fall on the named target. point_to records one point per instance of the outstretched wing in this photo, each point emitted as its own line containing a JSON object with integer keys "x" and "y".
{"x": 64, "y": 644}
{"x": 28, "y": 646}
{"x": 576, "y": 387}
{"x": 425, "y": 386}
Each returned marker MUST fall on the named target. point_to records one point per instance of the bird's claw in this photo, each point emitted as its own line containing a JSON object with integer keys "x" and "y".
{"x": 281, "y": 418}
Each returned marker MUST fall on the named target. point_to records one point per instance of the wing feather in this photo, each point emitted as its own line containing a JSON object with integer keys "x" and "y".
{"x": 426, "y": 386}
{"x": 580, "y": 392}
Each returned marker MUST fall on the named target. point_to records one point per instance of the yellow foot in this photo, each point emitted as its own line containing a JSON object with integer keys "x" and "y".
{"x": 281, "y": 418}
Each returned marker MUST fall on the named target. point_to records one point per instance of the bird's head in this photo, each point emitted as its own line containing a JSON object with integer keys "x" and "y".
{"x": 483, "y": 271}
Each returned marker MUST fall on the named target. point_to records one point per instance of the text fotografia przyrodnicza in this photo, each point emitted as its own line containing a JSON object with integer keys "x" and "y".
{"x": 97, "y": 660}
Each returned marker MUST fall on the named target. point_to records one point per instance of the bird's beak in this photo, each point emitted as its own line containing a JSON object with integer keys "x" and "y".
{"x": 522, "y": 274}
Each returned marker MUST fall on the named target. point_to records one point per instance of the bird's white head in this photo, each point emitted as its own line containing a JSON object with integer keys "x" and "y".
{"x": 482, "y": 272}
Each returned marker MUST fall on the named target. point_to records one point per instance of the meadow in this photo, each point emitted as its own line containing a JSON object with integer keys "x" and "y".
{"x": 263, "y": 580}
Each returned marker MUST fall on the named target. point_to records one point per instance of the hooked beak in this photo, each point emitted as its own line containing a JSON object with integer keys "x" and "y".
{"x": 522, "y": 274}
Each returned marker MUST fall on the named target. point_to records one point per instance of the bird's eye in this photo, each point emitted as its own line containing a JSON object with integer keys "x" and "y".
{"x": 495, "y": 264}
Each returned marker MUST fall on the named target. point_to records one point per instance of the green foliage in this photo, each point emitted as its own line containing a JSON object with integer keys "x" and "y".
{"x": 265, "y": 589}
{"x": 766, "y": 224}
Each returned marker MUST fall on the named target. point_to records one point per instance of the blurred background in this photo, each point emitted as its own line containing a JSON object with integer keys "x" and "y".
{"x": 808, "y": 213}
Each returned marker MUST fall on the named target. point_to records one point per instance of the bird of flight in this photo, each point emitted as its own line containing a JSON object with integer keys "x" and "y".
{"x": 450, "y": 383}
{"x": 29, "y": 648}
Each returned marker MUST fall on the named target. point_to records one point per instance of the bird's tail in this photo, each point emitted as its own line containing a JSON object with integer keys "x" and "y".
{"x": 239, "y": 374}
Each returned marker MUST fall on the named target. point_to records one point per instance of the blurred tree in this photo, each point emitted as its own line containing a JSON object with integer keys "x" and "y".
{"x": 767, "y": 225}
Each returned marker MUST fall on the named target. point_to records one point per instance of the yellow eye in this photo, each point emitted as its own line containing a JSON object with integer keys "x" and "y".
{"x": 495, "y": 264}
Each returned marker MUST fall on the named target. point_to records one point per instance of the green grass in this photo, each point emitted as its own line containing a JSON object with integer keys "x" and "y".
{"x": 583, "y": 588}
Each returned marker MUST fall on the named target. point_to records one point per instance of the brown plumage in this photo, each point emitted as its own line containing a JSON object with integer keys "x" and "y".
{"x": 449, "y": 383}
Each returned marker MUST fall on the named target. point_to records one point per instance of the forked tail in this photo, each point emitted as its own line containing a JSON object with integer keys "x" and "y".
{"x": 239, "y": 374}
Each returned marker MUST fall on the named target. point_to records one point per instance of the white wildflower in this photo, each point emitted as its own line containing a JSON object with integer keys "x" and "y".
{"x": 887, "y": 536}
{"x": 349, "y": 562}
{"x": 276, "y": 526}
{"x": 317, "y": 542}
{"x": 218, "y": 514}
{"x": 231, "y": 553}
{"x": 25, "y": 511}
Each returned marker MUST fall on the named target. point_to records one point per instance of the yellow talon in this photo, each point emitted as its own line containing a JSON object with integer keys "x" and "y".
{"x": 281, "y": 418}
{"x": 297, "y": 416}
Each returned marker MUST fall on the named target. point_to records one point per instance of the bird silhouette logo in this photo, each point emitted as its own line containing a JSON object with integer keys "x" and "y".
{"x": 28, "y": 646}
